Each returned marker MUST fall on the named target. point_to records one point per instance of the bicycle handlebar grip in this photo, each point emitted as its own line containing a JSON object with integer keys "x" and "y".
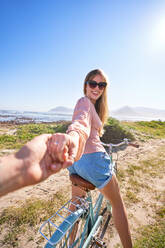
{"x": 134, "y": 145}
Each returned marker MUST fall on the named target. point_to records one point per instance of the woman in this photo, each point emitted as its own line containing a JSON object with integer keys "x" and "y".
{"x": 83, "y": 137}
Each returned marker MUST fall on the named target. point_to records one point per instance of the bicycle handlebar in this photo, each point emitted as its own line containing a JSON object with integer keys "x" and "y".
{"x": 124, "y": 142}
{"x": 134, "y": 145}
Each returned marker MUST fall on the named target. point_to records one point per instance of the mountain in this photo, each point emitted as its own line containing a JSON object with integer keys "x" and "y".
{"x": 138, "y": 113}
{"x": 61, "y": 109}
{"x": 150, "y": 111}
{"x": 125, "y": 111}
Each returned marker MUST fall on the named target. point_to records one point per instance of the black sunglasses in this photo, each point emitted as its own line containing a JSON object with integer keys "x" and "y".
{"x": 93, "y": 84}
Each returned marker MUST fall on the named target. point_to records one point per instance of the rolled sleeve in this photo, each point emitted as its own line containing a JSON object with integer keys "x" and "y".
{"x": 81, "y": 123}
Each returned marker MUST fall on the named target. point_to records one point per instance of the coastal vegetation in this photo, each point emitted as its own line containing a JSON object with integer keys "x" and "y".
{"x": 147, "y": 129}
{"x": 25, "y": 132}
{"x": 114, "y": 131}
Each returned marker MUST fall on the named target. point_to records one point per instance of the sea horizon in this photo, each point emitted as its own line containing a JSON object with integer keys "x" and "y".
{"x": 31, "y": 116}
{"x": 39, "y": 117}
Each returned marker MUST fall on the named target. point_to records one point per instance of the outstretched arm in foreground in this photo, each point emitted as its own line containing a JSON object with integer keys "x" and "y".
{"x": 30, "y": 165}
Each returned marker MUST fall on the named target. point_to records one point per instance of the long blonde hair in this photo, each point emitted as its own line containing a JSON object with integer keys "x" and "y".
{"x": 101, "y": 104}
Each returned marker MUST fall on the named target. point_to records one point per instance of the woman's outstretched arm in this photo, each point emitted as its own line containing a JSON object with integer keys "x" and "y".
{"x": 76, "y": 136}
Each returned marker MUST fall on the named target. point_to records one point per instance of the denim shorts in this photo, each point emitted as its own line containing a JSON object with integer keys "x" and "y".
{"x": 94, "y": 167}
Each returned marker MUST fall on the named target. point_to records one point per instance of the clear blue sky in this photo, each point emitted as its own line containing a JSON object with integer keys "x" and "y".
{"x": 48, "y": 46}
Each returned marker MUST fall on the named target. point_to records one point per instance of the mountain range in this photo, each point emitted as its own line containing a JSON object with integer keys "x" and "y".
{"x": 61, "y": 109}
{"x": 125, "y": 112}
{"x": 139, "y": 112}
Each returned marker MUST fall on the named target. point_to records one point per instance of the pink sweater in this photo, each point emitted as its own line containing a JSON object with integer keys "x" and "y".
{"x": 86, "y": 123}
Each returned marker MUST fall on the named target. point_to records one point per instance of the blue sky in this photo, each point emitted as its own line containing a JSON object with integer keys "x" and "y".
{"x": 48, "y": 46}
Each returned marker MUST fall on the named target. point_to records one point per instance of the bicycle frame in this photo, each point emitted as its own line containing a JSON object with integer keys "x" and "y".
{"x": 92, "y": 221}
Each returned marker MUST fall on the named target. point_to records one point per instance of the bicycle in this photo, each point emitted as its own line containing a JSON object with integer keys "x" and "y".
{"x": 88, "y": 215}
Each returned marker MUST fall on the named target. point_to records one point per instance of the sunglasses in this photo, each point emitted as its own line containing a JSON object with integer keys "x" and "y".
{"x": 94, "y": 84}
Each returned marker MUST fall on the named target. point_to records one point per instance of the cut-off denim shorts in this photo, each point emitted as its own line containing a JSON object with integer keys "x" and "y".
{"x": 94, "y": 167}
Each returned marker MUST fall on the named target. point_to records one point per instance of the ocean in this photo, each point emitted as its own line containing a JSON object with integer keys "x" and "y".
{"x": 39, "y": 117}
{"x": 29, "y": 116}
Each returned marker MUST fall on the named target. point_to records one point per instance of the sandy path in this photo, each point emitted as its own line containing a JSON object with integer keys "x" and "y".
{"x": 42, "y": 190}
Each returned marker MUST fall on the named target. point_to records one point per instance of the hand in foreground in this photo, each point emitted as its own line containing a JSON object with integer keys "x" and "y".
{"x": 30, "y": 165}
{"x": 64, "y": 147}
{"x": 38, "y": 164}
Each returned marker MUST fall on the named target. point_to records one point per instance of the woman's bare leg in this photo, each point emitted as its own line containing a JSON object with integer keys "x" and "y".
{"x": 112, "y": 192}
{"x": 76, "y": 191}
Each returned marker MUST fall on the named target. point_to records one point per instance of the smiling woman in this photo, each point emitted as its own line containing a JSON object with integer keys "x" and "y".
{"x": 90, "y": 159}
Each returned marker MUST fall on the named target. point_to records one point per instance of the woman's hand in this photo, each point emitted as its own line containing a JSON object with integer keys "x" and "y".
{"x": 64, "y": 147}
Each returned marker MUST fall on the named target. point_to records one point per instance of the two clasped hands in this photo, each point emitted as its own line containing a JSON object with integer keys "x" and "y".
{"x": 37, "y": 160}
{"x": 63, "y": 148}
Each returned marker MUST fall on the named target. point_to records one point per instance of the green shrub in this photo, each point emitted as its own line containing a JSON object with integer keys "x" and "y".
{"x": 151, "y": 129}
{"x": 115, "y": 132}
{"x": 8, "y": 141}
{"x": 61, "y": 128}
{"x": 26, "y": 132}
